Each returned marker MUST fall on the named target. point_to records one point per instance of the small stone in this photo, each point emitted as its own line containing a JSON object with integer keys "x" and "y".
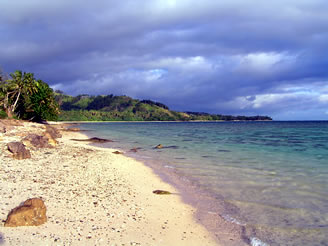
{"x": 159, "y": 146}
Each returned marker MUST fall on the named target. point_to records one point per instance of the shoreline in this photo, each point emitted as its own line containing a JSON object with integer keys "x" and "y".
{"x": 155, "y": 121}
{"x": 93, "y": 196}
{"x": 210, "y": 212}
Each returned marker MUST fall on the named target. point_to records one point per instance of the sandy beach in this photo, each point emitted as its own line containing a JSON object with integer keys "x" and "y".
{"x": 93, "y": 197}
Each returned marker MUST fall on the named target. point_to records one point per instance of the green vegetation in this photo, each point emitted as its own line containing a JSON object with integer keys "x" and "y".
{"x": 123, "y": 108}
{"x": 24, "y": 97}
{"x": 3, "y": 114}
{"x": 113, "y": 108}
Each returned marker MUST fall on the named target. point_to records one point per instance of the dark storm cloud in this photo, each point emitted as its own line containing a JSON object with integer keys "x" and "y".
{"x": 240, "y": 57}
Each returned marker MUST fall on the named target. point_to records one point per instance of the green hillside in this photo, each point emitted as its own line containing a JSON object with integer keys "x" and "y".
{"x": 124, "y": 108}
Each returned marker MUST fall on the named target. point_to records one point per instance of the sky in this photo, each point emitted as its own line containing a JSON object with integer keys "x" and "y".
{"x": 239, "y": 57}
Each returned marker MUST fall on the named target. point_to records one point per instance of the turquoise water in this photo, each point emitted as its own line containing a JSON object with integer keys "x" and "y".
{"x": 273, "y": 174}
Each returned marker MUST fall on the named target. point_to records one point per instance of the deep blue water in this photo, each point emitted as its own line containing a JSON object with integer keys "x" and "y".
{"x": 275, "y": 173}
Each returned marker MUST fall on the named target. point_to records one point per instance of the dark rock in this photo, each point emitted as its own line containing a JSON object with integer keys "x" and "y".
{"x": 19, "y": 151}
{"x": 166, "y": 147}
{"x": 37, "y": 141}
{"x": 95, "y": 140}
{"x": 159, "y": 146}
{"x": 117, "y": 152}
{"x": 161, "y": 192}
{"x": 31, "y": 213}
{"x": 15, "y": 147}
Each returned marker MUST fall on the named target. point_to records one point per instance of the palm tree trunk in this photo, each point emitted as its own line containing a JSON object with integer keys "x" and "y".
{"x": 7, "y": 107}
{"x": 14, "y": 106}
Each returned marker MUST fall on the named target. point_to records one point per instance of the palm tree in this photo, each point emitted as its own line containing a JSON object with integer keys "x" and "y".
{"x": 13, "y": 89}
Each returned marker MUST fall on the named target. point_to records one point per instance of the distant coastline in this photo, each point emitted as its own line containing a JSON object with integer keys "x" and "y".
{"x": 110, "y": 108}
{"x": 144, "y": 121}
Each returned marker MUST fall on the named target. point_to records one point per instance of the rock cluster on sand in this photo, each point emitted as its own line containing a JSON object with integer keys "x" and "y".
{"x": 31, "y": 213}
{"x": 31, "y": 140}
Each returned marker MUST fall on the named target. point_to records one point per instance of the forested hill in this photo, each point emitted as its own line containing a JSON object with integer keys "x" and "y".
{"x": 123, "y": 108}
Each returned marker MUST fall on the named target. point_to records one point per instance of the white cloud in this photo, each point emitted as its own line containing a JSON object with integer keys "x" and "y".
{"x": 263, "y": 59}
{"x": 323, "y": 98}
{"x": 267, "y": 99}
{"x": 151, "y": 75}
{"x": 191, "y": 64}
{"x": 264, "y": 62}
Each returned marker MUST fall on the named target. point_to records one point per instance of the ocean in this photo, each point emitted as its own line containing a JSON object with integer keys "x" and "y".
{"x": 268, "y": 178}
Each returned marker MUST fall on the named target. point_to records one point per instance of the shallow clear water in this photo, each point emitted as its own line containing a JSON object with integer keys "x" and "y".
{"x": 274, "y": 173}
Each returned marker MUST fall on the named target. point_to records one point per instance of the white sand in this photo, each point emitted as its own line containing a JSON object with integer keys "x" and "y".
{"x": 93, "y": 197}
